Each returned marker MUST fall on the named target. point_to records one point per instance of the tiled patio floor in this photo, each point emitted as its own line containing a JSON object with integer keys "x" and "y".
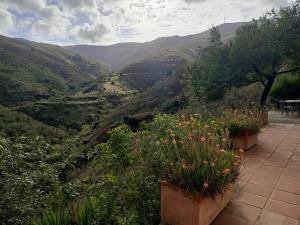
{"x": 269, "y": 189}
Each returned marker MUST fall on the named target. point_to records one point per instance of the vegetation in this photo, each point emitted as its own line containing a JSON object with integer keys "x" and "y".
{"x": 260, "y": 51}
{"x": 287, "y": 87}
{"x": 15, "y": 124}
{"x": 243, "y": 124}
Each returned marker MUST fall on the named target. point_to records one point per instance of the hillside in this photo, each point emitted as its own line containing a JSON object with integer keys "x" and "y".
{"x": 30, "y": 71}
{"x": 16, "y": 124}
{"x": 146, "y": 73}
{"x": 119, "y": 55}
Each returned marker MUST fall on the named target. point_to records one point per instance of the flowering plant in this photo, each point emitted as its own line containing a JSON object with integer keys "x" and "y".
{"x": 200, "y": 159}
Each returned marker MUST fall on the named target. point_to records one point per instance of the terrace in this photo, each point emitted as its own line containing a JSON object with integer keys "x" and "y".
{"x": 269, "y": 189}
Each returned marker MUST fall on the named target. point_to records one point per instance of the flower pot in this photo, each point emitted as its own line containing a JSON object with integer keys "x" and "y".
{"x": 244, "y": 141}
{"x": 264, "y": 118}
{"x": 181, "y": 208}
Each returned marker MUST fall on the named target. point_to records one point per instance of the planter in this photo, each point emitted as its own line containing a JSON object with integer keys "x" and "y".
{"x": 244, "y": 141}
{"x": 264, "y": 119}
{"x": 181, "y": 208}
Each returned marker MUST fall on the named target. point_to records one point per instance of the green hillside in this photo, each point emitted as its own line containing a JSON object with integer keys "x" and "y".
{"x": 16, "y": 124}
{"x": 30, "y": 71}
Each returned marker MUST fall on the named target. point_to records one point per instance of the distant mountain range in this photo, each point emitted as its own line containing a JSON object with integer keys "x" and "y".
{"x": 117, "y": 56}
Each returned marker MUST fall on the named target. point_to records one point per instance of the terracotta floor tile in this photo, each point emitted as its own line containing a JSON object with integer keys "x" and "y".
{"x": 276, "y": 161}
{"x": 251, "y": 199}
{"x": 258, "y": 190}
{"x": 225, "y": 219}
{"x": 286, "y": 197}
{"x": 265, "y": 179}
{"x": 247, "y": 174}
{"x": 271, "y": 169}
{"x": 243, "y": 211}
{"x": 289, "y": 184}
{"x": 271, "y": 218}
{"x": 292, "y": 171}
{"x": 283, "y": 208}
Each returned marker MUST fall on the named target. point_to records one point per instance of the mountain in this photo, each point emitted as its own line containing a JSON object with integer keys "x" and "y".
{"x": 117, "y": 56}
{"x": 30, "y": 71}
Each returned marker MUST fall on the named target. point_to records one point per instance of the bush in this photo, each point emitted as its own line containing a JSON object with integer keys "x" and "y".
{"x": 199, "y": 158}
{"x": 243, "y": 124}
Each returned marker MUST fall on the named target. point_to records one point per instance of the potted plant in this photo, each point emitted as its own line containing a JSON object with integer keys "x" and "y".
{"x": 199, "y": 178}
{"x": 244, "y": 130}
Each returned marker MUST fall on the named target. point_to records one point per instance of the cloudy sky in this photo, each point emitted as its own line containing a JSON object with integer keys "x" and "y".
{"x": 106, "y": 22}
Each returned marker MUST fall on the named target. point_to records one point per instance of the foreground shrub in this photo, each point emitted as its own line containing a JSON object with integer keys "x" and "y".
{"x": 199, "y": 156}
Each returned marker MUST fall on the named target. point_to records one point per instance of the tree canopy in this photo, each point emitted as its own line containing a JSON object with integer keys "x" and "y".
{"x": 260, "y": 51}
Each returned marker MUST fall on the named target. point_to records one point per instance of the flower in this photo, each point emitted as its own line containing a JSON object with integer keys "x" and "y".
{"x": 212, "y": 164}
{"x": 203, "y": 139}
{"x": 241, "y": 150}
{"x": 174, "y": 141}
{"x": 205, "y": 162}
{"x": 205, "y": 184}
{"x": 222, "y": 150}
{"x": 226, "y": 171}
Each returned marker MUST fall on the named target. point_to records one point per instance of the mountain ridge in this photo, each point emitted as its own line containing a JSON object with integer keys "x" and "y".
{"x": 119, "y": 55}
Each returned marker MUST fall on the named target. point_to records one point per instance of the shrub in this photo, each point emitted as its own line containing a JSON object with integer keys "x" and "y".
{"x": 199, "y": 158}
{"x": 243, "y": 124}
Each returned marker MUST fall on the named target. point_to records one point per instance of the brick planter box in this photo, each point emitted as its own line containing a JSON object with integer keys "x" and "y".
{"x": 182, "y": 208}
{"x": 244, "y": 141}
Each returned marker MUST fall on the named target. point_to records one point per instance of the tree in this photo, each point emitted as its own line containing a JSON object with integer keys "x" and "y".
{"x": 260, "y": 52}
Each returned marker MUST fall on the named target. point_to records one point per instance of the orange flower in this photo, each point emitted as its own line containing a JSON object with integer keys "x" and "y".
{"x": 174, "y": 141}
{"x": 203, "y": 139}
{"x": 226, "y": 171}
{"x": 205, "y": 184}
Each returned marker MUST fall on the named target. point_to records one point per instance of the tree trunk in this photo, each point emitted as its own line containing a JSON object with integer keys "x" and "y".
{"x": 266, "y": 91}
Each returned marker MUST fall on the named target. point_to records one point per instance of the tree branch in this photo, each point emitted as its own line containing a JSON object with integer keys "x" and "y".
{"x": 287, "y": 71}
{"x": 263, "y": 83}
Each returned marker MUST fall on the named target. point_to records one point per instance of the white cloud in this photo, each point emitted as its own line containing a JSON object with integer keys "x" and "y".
{"x": 6, "y": 22}
{"x": 111, "y": 21}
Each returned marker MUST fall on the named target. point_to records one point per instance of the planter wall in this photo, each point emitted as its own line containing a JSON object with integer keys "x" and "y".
{"x": 264, "y": 119}
{"x": 180, "y": 208}
{"x": 244, "y": 141}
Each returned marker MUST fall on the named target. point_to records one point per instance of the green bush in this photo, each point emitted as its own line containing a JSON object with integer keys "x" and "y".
{"x": 243, "y": 124}
{"x": 198, "y": 154}
{"x": 287, "y": 87}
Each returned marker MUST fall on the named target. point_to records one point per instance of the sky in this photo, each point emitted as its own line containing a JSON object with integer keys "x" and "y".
{"x": 104, "y": 22}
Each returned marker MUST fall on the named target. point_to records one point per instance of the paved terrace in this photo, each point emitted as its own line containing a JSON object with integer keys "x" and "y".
{"x": 269, "y": 189}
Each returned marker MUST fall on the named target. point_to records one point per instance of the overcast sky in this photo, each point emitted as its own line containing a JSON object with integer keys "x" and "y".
{"x": 106, "y": 22}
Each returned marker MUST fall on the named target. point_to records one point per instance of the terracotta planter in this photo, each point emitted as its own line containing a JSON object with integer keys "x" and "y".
{"x": 181, "y": 208}
{"x": 264, "y": 119}
{"x": 244, "y": 141}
